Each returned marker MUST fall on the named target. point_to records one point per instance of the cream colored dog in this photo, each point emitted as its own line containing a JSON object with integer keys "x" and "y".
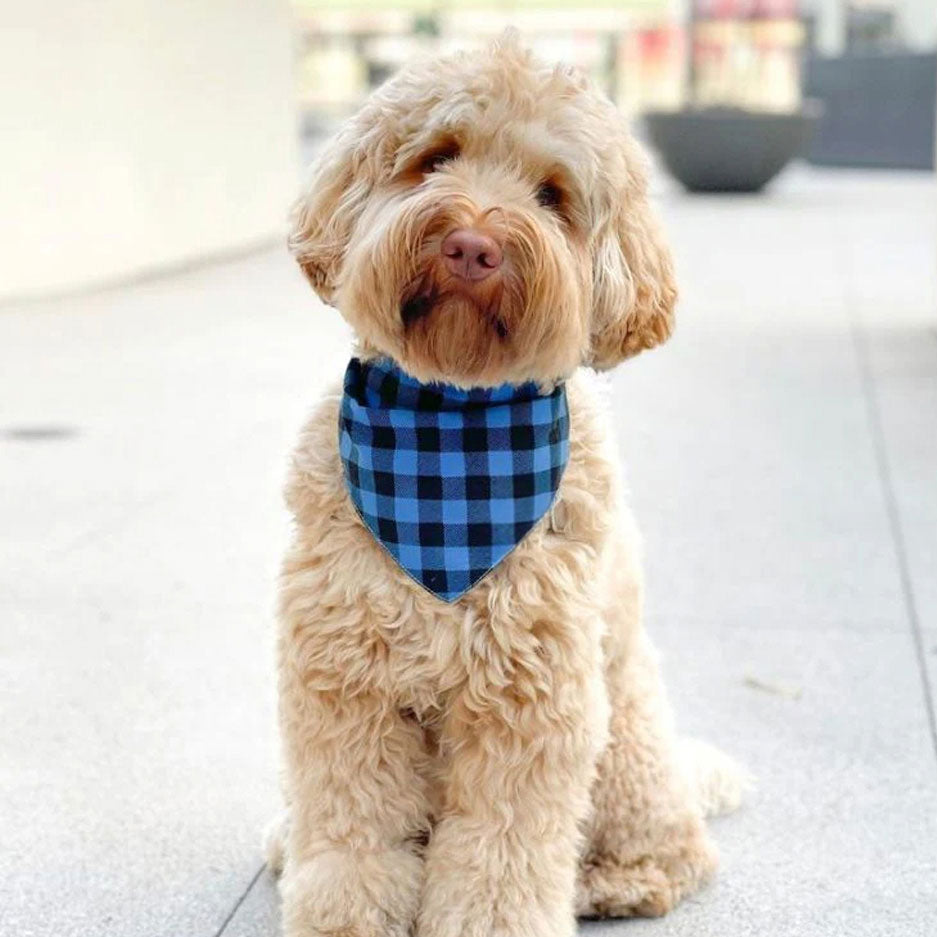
{"x": 497, "y": 765}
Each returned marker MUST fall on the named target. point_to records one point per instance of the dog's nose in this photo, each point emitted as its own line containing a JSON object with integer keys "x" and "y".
{"x": 471, "y": 254}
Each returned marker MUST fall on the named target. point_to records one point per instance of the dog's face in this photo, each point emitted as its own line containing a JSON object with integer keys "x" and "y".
{"x": 484, "y": 219}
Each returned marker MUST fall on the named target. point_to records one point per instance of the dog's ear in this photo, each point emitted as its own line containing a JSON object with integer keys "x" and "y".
{"x": 325, "y": 215}
{"x": 634, "y": 290}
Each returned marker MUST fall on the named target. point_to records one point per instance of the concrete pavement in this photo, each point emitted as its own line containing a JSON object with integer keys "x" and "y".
{"x": 782, "y": 454}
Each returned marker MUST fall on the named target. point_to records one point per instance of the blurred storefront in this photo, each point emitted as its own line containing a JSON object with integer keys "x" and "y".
{"x": 633, "y": 48}
{"x": 871, "y": 63}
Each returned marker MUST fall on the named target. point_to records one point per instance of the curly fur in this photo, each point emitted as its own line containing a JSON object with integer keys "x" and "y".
{"x": 495, "y": 766}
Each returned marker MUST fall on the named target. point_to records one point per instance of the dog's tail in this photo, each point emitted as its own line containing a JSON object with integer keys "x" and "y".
{"x": 716, "y": 780}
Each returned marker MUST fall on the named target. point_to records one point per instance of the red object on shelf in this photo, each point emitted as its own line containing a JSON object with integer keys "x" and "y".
{"x": 745, "y": 9}
{"x": 656, "y": 42}
{"x": 776, "y": 9}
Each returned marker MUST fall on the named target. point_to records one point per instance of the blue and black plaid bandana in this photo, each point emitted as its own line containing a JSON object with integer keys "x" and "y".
{"x": 449, "y": 481}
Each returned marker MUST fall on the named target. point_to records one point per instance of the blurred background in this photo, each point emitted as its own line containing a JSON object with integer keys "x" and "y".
{"x": 182, "y": 125}
{"x": 159, "y": 349}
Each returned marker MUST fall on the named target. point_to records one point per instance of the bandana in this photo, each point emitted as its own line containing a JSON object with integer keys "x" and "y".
{"x": 447, "y": 480}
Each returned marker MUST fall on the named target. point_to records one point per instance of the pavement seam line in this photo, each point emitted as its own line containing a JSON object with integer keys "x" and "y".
{"x": 240, "y": 901}
{"x": 879, "y": 445}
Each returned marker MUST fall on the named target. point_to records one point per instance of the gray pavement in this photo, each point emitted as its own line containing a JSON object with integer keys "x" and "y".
{"x": 782, "y": 454}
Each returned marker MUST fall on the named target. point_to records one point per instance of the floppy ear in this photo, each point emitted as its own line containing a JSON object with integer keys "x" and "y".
{"x": 325, "y": 215}
{"x": 634, "y": 291}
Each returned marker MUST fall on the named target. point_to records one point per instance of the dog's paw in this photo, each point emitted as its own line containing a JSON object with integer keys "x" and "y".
{"x": 649, "y": 887}
{"x": 343, "y": 894}
{"x": 717, "y": 782}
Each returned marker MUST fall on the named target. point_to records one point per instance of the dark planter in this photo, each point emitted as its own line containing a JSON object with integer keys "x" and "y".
{"x": 728, "y": 149}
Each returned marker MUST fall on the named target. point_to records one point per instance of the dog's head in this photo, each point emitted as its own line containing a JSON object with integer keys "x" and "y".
{"x": 484, "y": 219}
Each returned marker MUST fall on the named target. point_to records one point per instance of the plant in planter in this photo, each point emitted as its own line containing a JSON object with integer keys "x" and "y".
{"x": 743, "y": 117}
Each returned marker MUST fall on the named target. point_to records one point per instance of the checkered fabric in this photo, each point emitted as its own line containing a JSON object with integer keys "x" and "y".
{"x": 449, "y": 481}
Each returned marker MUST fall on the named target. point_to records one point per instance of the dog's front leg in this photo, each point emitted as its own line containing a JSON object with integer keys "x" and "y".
{"x": 647, "y": 847}
{"x": 357, "y": 806}
{"x": 502, "y": 859}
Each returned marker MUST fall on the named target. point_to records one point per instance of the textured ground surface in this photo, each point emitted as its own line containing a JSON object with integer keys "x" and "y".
{"x": 782, "y": 453}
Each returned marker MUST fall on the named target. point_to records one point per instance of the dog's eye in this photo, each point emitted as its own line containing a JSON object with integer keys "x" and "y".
{"x": 433, "y": 161}
{"x": 549, "y": 195}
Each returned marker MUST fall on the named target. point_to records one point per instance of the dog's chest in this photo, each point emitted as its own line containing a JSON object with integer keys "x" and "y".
{"x": 370, "y": 628}
{"x": 538, "y": 603}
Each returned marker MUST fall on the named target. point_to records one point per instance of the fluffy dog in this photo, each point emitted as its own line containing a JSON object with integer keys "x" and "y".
{"x": 496, "y": 764}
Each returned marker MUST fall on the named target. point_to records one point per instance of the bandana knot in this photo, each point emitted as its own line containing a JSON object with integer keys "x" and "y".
{"x": 449, "y": 480}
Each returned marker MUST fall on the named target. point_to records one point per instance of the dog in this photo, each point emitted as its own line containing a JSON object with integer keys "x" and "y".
{"x": 471, "y": 752}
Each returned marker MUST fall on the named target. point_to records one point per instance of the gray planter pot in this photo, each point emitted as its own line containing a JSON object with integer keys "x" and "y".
{"x": 727, "y": 149}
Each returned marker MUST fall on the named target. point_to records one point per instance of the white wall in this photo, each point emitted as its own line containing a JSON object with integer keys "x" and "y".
{"x": 918, "y": 19}
{"x": 138, "y": 134}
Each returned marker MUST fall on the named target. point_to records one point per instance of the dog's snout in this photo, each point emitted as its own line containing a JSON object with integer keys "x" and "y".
{"x": 470, "y": 254}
